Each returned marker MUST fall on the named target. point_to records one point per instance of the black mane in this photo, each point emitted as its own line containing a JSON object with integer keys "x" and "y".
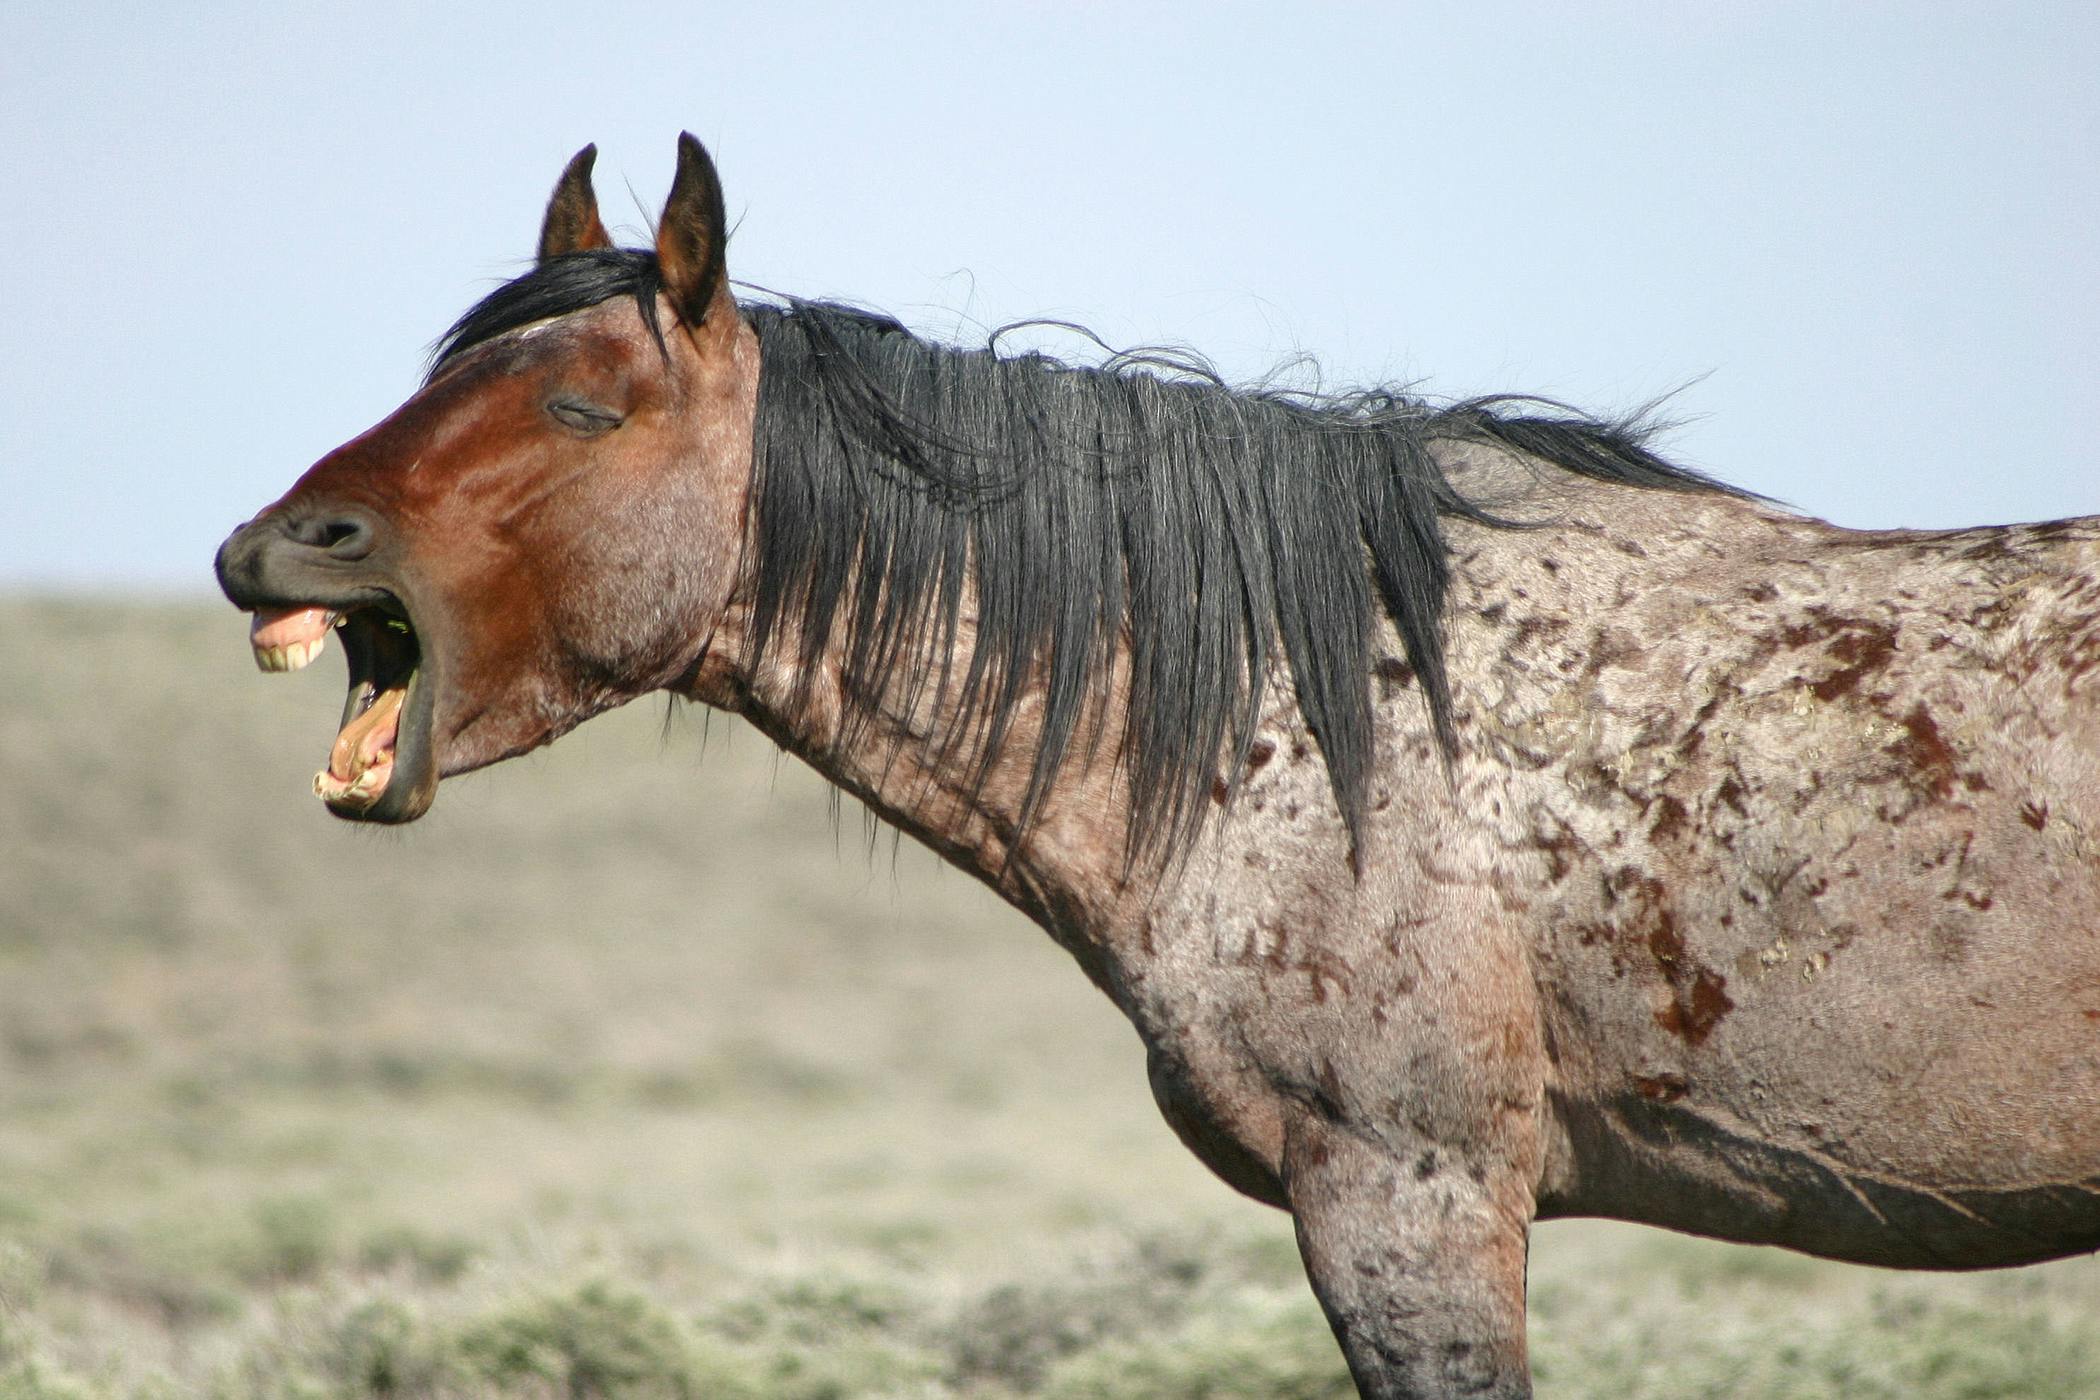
{"x": 556, "y": 287}
{"x": 1141, "y": 506}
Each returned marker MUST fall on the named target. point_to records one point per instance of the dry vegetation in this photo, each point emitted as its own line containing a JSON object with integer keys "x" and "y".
{"x": 630, "y": 1073}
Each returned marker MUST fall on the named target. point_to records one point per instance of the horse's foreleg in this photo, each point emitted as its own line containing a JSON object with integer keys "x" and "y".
{"x": 1418, "y": 1260}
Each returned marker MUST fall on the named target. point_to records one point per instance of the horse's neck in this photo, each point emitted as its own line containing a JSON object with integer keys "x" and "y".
{"x": 1068, "y": 874}
{"x": 1071, "y": 873}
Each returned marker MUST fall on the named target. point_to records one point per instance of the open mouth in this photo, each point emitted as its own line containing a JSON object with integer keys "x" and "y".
{"x": 386, "y": 715}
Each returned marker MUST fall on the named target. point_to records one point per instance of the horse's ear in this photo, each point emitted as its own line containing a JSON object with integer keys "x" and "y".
{"x": 572, "y": 224}
{"x": 690, "y": 236}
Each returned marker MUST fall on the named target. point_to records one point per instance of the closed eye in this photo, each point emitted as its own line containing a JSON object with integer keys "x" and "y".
{"x": 585, "y": 418}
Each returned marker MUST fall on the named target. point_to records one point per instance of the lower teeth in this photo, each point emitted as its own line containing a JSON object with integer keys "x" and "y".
{"x": 329, "y": 788}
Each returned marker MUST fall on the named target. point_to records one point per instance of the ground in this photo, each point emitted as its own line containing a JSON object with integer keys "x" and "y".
{"x": 633, "y": 1072}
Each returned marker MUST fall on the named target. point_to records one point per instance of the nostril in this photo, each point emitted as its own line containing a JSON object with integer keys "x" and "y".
{"x": 339, "y": 535}
{"x": 344, "y": 536}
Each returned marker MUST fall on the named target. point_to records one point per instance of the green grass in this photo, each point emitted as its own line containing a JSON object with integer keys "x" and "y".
{"x": 627, "y": 1074}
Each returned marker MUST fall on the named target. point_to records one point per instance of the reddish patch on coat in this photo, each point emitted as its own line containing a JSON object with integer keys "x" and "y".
{"x": 2035, "y": 814}
{"x": 1860, "y": 651}
{"x": 1820, "y": 627}
{"x": 1697, "y": 995}
{"x": 1730, "y": 794}
{"x": 1662, "y": 1088}
{"x": 1696, "y": 1009}
{"x": 1699, "y": 998}
{"x": 1669, "y": 818}
{"x": 1930, "y": 758}
{"x": 1664, "y": 941}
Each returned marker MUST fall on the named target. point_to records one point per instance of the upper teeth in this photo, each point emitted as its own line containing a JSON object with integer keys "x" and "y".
{"x": 292, "y": 655}
{"x": 285, "y": 639}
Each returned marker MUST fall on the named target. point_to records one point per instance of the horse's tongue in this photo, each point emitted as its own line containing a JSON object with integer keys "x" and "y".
{"x": 286, "y": 639}
{"x": 368, "y": 739}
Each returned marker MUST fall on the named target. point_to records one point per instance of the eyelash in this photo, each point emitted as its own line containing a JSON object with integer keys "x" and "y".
{"x": 584, "y": 418}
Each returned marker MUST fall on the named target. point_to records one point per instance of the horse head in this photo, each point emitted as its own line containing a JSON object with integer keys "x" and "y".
{"x": 550, "y": 526}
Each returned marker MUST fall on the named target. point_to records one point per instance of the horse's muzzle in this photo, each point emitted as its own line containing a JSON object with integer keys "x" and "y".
{"x": 305, "y": 575}
{"x": 284, "y": 558}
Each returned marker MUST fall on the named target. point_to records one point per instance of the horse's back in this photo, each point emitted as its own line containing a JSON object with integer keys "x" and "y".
{"x": 1815, "y": 876}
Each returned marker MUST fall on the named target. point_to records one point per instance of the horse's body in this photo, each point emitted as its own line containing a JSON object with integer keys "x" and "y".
{"x": 1743, "y": 875}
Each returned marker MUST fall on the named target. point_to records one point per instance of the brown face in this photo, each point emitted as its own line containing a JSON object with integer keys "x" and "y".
{"x": 550, "y": 528}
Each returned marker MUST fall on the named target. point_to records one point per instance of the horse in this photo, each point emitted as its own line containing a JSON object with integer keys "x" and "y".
{"x": 1481, "y": 819}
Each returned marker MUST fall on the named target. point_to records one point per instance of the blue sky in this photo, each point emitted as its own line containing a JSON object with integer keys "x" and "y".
{"x": 1863, "y": 235}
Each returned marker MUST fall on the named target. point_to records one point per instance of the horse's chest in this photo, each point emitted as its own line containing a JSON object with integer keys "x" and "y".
{"x": 1393, "y": 1000}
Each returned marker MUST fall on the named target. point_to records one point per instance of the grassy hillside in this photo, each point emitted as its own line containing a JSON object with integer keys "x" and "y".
{"x": 630, "y": 1072}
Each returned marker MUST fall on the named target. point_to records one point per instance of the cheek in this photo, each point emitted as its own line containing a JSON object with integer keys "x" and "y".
{"x": 640, "y": 585}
